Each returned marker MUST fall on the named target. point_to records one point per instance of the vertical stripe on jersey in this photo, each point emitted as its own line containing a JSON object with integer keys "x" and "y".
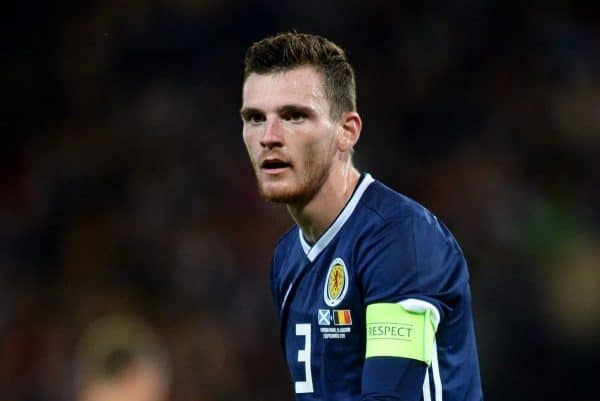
{"x": 437, "y": 379}
{"x": 426, "y": 387}
{"x": 286, "y": 295}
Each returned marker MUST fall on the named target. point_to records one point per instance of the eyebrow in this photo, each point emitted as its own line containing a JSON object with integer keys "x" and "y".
{"x": 287, "y": 108}
{"x": 248, "y": 111}
{"x": 295, "y": 108}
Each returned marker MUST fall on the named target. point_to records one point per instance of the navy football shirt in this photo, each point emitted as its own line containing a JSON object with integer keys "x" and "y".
{"x": 379, "y": 308}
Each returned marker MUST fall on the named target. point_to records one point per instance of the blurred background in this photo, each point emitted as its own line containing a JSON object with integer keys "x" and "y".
{"x": 126, "y": 187}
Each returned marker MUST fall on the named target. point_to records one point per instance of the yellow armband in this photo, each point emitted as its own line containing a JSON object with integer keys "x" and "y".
{"x": 397, "y": 332}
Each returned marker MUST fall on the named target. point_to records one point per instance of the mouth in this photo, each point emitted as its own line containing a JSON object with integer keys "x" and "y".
{"x": 274, "y": 165}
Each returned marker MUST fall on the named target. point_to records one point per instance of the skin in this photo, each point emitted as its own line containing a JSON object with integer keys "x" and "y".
{"x": 142, "y": 381}
{"x": 287, "y": 124}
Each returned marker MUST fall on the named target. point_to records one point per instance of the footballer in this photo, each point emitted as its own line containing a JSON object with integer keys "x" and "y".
{"x": 371, "y": 289}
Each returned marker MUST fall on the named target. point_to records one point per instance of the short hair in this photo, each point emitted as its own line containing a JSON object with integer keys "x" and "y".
{"x": 113, "y": 344}
{"x": 286, "y": 51}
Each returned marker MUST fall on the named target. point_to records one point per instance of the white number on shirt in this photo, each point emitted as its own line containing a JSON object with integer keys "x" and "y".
{"x": 303, "y": 329}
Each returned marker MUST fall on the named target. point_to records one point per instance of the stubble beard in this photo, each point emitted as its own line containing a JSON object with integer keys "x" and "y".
{"x": 314, "y": 175}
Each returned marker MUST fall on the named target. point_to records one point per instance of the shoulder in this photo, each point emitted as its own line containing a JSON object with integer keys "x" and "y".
{"x": 391, "y": 210}
{"x": 386, "y": 203}
{"x": 406, "y": 251}
{"x": 395, "y": 225}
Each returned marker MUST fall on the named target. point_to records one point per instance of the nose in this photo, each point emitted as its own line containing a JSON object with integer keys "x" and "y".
{"x": 272, "y": 135}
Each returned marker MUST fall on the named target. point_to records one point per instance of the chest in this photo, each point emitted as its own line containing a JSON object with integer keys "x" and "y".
{"x": 322, "y": 325}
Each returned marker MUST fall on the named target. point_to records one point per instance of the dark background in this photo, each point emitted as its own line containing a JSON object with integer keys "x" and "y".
{"x": 126, "y": 187}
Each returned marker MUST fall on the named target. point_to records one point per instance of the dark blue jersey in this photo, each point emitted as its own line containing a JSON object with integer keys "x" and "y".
{"x": 379, "y": 307}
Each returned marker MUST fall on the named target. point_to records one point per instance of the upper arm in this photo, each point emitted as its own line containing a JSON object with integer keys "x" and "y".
{"x": 411, "y": 258}
{"x": 410, "y": 271}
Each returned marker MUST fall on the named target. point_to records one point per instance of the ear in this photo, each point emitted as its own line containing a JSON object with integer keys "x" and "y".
{"x": 350, "y": 126}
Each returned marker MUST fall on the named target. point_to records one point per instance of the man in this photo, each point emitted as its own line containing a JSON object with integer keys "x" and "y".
{"x": 121, "y": 359}
{"x": 371, "y": 289}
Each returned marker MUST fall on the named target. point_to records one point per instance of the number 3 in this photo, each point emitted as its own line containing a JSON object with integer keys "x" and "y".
{"x": 303, "y": 329}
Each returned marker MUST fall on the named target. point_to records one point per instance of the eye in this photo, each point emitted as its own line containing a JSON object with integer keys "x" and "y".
{"x": 254, "y": 118}
{"x": 295, "y": 116}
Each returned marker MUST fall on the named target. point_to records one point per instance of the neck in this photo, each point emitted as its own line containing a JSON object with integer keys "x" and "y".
{"x": 314, "y": 217}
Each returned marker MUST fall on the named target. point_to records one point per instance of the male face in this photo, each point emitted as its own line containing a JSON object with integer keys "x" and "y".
{"x": 288, "y": 132}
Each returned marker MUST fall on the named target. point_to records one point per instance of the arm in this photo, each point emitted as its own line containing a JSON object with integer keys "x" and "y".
{"x": 408, "y": 274}
{"x": 387, "y": 379}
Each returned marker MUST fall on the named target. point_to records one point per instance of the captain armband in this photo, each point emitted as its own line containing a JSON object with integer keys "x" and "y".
{"x": 395, "y": 331}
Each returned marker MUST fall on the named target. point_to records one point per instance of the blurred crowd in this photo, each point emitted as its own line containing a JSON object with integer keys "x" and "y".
{"x": 126, "y": 187}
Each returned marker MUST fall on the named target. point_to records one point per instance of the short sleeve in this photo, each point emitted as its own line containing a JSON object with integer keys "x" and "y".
{"x": 410, "y": 269}
{"x": 411, "y": 258}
